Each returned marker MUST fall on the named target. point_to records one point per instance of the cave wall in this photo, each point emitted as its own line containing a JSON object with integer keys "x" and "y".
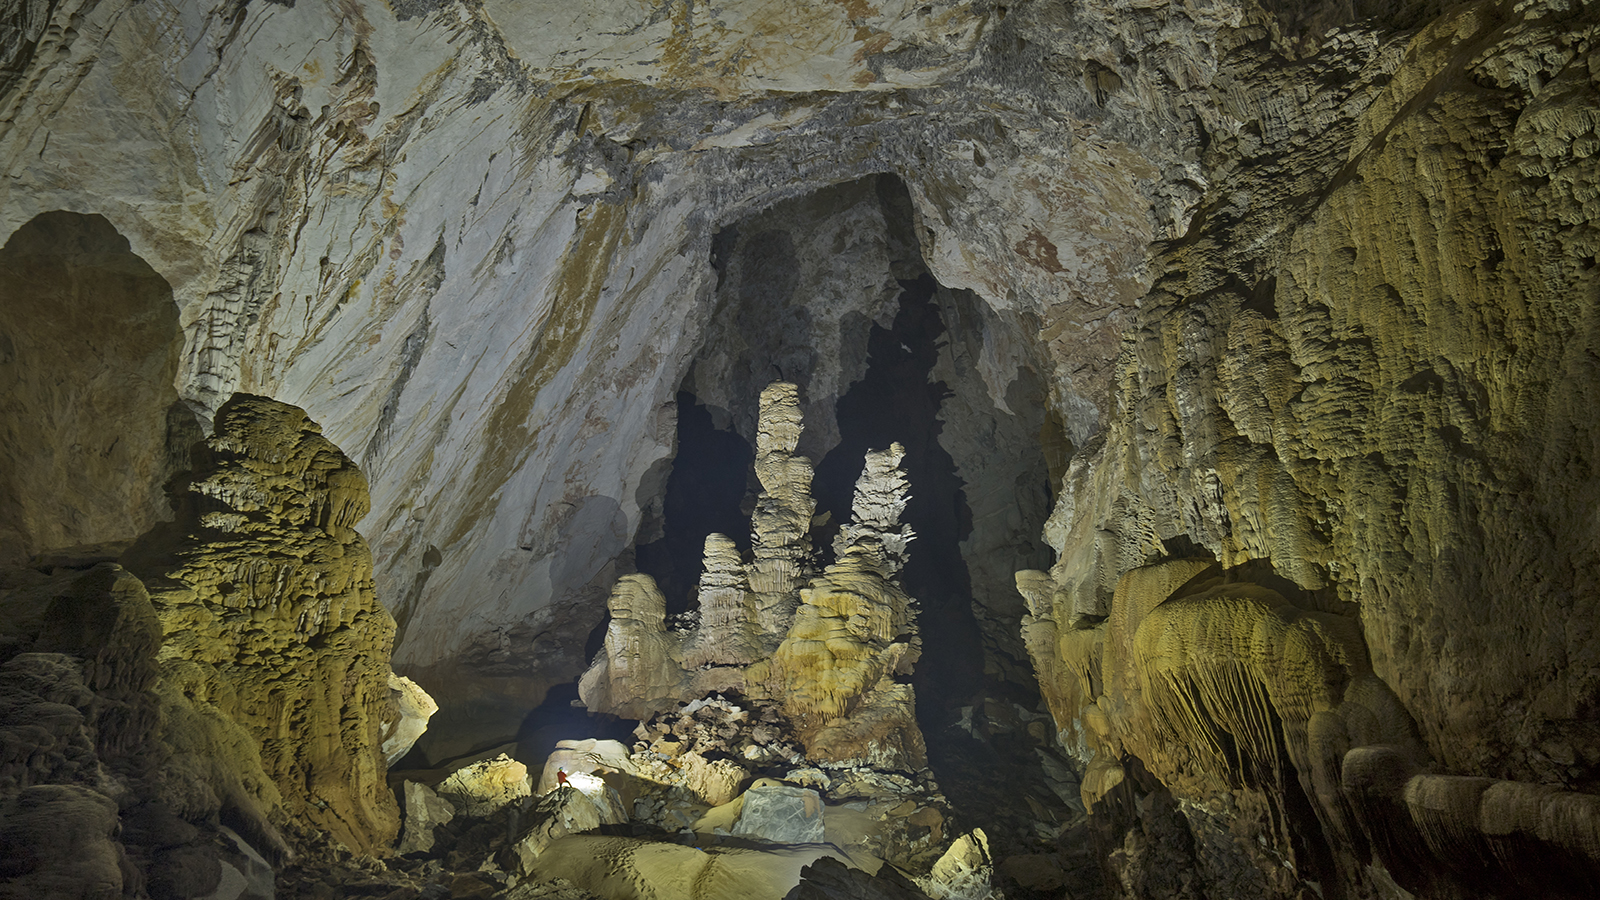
{"x": 1310, "y": 289}
{"x": 473, "y": 241}
{"x": 84, "y": 448}
{"x": 1359, "y": 377}
{"x": 1372, "y": 377}
{"x": 814, "y": 289}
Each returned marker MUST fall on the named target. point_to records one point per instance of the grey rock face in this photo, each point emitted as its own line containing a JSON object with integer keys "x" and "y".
{"x": 424, "y": 811}
{"x": 781, "y": 814}
{"x": 344, "y": 196}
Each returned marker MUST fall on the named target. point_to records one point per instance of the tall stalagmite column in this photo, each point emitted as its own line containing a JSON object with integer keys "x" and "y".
{"x": 727, "y": 635}
{"x": 781, "y": 525}
{"x": 853, "y": 632}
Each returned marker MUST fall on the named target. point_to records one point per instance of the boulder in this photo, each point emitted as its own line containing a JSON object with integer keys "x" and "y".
{"x": 424, "y": 811}
{"x": 487, "y": 786}
{"x": 410, "y": 707}
{"x": 781, "y": 814}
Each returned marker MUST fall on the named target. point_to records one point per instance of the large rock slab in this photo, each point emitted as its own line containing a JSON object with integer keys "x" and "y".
{"x": 84, "y": 449}
{"x": 781, "y": 814}
{"x": 409, "y": 712}
{"x": 424, "y": 811}
{"x": 487, "y": 786}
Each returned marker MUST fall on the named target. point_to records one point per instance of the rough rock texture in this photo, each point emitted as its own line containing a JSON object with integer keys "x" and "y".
{"x": 837, "y": 642}
{"x": 729, "y": 633}
{"x": 60, "y": 841}
{"x": 100, "y": 792}
{"x": 964, "y": 871}
{"x": 588, "y": 756}
{"x": 805, "y": 290}
{"x": 798, "y": 285}
{"x": 89, "y": 345}
{"x": 780, "y": 529}
{"x": 566, "y": 810}
{"x": 830, "y": 879}
{"x": 639, "y": 670}
{"x": 781, "y": 814}
{"x": 487, "y": 786}
{"x": 115, "y": 781}
{"x": 1309, "y": 287}
{"x": 264, "y": 593}
{"x": 424, "y": 811}
{"x": 410, "y": 708}
{"x": 853, "y": 632}
{"x": 631, "y": 869}
{"x": 1369, "y": 376}
{"x": 340, "y": 196}
{"x": 695, "y": 770}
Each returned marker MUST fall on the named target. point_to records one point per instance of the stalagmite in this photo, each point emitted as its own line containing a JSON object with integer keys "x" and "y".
{"x": 781, "y": 526}
{"x": 265, "y": 595}
{"x": 837, "y": 642}
{"x": 874, "y": 537}
{"x": 727, "y": 633}
{"x": 852, "y": 633}
{"x": 638, "y": 672}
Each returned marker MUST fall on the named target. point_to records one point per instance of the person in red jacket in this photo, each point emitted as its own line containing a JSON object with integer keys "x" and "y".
{"x": 561, "y": 777}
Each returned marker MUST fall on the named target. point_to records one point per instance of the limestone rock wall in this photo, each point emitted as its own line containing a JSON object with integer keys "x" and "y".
{"x": 1379, "y": 411}
{"x": 801, "y": 289}
{"x": 342, "y": 197}
{"x": 112, "y": 781}
{"x": 1310, "y": 288}
{"x": 1359, "y": 377}
{"x": 90, "y": 421}
{"x": 797, "y": 287}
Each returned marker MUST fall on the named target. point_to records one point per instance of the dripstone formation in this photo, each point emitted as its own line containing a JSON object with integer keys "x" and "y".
{"x": 823, "y": 647}
{"x": 1261, "y": 337}
{"x": 216, "y": 703}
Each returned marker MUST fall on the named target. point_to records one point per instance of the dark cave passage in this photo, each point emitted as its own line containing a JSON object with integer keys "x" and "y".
{"x": 897, "y": 402}
{"x": 560, "y": 718}
{"x": 829, "y": 291}
{"x": 705, "y": 492}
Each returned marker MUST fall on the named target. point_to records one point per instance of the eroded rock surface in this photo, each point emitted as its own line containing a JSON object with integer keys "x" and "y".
{"x": 265, "y": 596}
{"x": 836, "y": 640}
{"x": 342, "y": 195}
{"x": 1310, "y": 289}
{"x": 90, "y": 423}
{"x": 1358, "y": 383}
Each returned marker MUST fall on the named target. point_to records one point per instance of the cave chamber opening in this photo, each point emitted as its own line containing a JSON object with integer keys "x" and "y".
{"x": 829, "y": 291}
